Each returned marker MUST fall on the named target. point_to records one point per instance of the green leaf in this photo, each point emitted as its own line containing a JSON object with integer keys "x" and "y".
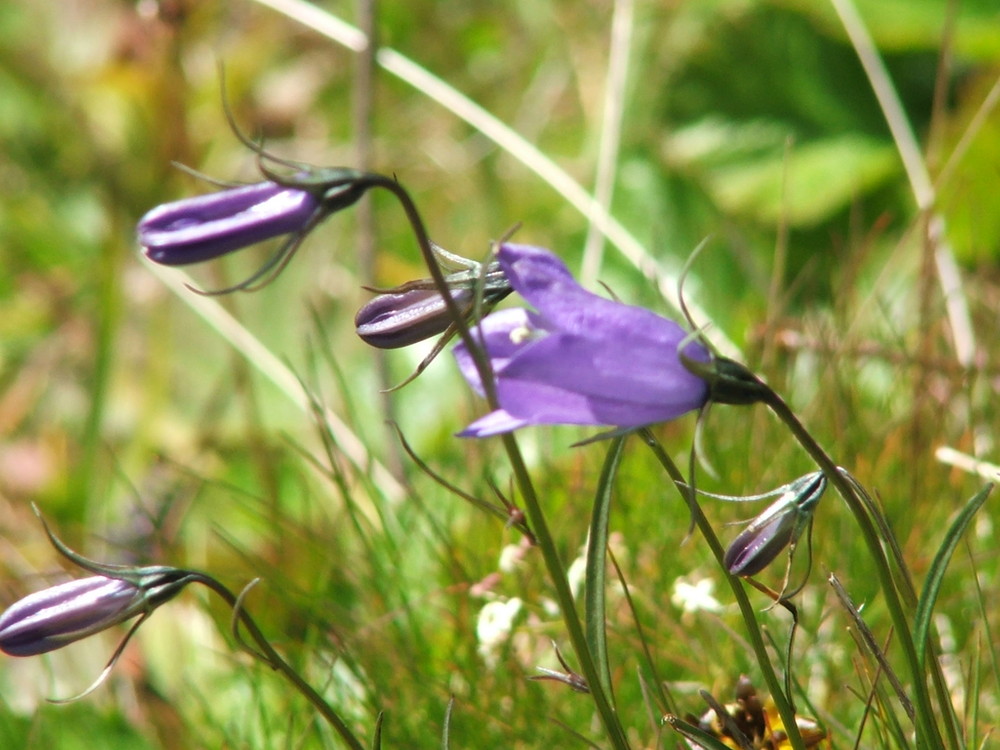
{"x": 597, "y": 547}
{"x": 928, "y": 597}
{"x": 806, "y": 184}
{"x": 377, "y": 734}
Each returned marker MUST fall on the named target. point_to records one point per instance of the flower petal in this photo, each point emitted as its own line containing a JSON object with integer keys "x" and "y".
{"x": 581, "y": 359}
{"x": 504, "y": 334}
{"x": 494, "y": 423}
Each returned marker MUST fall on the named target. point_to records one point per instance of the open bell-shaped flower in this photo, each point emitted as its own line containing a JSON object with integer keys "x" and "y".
{"x": 578, "y": 358}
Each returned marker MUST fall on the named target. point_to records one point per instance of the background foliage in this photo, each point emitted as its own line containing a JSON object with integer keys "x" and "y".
{"x": 143, "y": 436}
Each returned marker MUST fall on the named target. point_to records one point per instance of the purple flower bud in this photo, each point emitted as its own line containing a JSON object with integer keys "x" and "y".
{"x": 580, "y": 359}
{"x": 397, "y": 319}
{"x": 51, "y": 618}
{"x": 197, "y": 229}
{"x": 416, "y": 310}
{"x": 779, "y": 525}
{"x": 55, "y": 616}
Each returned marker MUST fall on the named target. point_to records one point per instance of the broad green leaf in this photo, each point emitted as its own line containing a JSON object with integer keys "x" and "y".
{"x": 806, "y": 183}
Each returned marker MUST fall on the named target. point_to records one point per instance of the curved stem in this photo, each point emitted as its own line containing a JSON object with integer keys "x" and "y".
{"x": 269, "y": 656}
{"x": 782, "y": 701}
{"x": 427, "y": 251}
{"x": 533, "y": 509}
{"x": 927, "y": 730}
{"x": 557, "y": 574}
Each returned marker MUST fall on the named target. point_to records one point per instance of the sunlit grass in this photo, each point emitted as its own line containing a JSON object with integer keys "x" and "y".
{"x": 147, "y": 436}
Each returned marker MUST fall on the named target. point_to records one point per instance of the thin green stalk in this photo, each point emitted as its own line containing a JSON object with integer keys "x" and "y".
{"x": 269, "y": 656}
{"x": 557, "y": 574}
{"x": 782, "y": 701}
{"x": 533, "y": 509}
{"x": 927, "y": 729}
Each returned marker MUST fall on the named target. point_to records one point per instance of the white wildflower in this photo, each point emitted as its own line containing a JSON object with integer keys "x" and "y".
{"x": 496, "y": 620}
{"x": 696, "y": 597}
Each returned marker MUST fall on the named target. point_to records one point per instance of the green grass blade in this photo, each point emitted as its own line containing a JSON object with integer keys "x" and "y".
{"x": 377, "y": 734}
{"x": 695, "y": 734}
{"x": 597, "y": 547}
{"x": 928, "y": 597}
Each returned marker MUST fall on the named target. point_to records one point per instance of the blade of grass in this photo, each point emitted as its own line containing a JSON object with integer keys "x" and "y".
{"x": 611, "y": 129}
{"x": 984, "y": 623}
{"x": 694, "y": 734}
{"x": 867, "y": 638}
{"x": 597, "y": 549}
{"x": 510, "y": 141}
{"x": 272, "y": 368}
{"x": 932, "y": 586}
{"x": 666, "y": 701}
{"x": 920, "y": 181}
{"x": 688, "y": 492}
{"x": 377, "y": 734}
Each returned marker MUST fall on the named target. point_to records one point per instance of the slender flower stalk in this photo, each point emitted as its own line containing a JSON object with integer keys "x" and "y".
{"x": 737, "y": 378}
{"x": 782, "y": 700}
{"x": 62, "y": 614}
{"x": 578, "y": 358}
{"x": 532, "y": 506}
{"x": 928, "y": 735}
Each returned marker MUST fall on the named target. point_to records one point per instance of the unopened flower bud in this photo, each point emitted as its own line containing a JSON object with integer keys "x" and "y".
{"x": 416, "y": 310}
{"x": 396, "y": 319}
{"x": 779, "y": 525}
{"x": 51, "y": 618}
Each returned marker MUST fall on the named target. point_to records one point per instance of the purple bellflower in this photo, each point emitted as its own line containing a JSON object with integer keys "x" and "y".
{"x": 578, "y": 358}
{"x": 207, "y": 226}
{"x": 56, "y": 616}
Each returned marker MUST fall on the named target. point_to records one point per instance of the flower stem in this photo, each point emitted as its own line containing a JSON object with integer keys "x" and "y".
{"x": 269, "y": 656}
{"x": 927, "y": 730}
{"x": 533, "y": 509}
{"x": 782, "y": 701}
{"x": 557, "y": 574}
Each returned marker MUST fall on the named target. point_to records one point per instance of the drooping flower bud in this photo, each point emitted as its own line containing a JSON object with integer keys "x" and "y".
{"x": 396, "y": 319}
{"x": 416, "y": 310}
{"x": 56, "y": 616}
{"x": 208, "y": 226}
{"x": 779, "y": 525}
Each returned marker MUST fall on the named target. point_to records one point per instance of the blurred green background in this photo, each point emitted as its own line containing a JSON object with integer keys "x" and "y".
{"x": 143, "y": 436}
